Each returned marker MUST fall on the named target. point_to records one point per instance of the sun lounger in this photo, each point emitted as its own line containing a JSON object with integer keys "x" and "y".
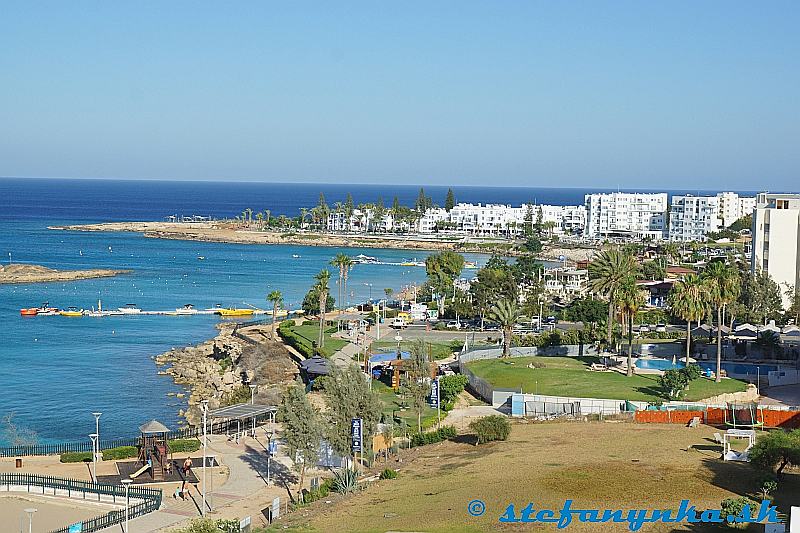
{"x": 597, "y": 367}
{"x": 694, "y": 422}
{"x": 718, "y": 438}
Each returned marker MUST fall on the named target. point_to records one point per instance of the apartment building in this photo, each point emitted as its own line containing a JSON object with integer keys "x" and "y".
{"x": 626, "y": 215}
{"x": 732, "y": 207}
{"x": 776, "y": 239}
{"x": 691, "y": 218}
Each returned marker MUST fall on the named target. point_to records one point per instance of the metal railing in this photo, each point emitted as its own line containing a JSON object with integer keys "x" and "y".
{"x": 147, "y": 500}
{"x": 57, "y": 449}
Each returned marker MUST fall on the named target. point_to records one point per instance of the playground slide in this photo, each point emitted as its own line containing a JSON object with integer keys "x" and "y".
{"x": 139, "y": 472}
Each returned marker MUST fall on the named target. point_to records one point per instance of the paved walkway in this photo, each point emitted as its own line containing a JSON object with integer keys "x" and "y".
{"x": 242, "y": 475}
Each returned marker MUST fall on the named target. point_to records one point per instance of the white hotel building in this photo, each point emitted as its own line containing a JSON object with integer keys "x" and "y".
{"x": 692, "y": 218}
{"x": 628, "y": 215}
{"x": 776, "y": 239}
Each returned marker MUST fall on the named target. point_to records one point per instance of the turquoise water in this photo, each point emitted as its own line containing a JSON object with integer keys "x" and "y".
{"x": 57, "y": 370}
{"x": 737, "y": 369}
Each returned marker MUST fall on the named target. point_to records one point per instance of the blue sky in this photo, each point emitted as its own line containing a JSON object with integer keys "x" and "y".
{"x": 630, "y": 94}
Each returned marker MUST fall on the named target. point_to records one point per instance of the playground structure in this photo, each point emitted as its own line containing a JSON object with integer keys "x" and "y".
{"x": 744, "y": 415}
{"x": 154, "y": 451}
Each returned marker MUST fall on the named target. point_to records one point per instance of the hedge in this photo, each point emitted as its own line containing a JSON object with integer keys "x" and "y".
{"x": 432, "y": 437}
{"x": 127, "y": 452}
{"x": 111, "y": 454}
{"x": 489, "y": 428}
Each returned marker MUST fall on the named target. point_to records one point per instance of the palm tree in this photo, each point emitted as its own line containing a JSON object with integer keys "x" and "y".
{"x": 687, "y": 302}
{"x": 722, "y": 286}
{"x": 267, "y": 215}
{"x": 277, "y": 300}
{"x": 630, "y": 298}
{"x": 260, "y": 220}
{"x": 303, "y": 216}
{"x": 505, "y": 313}
{"x": 341, "y": 261}
{"x": 323, "y": 278}
{"x": 607, "y": 274}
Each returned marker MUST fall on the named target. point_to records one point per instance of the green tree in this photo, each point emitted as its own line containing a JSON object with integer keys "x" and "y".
{"x": 310, "y": 303}
{"x": 722, "y": 287}
{"x": 442, "y": 269}
{"x": 776, "y": 450}
{"x": 450, "y": 387}
{"x": 323, "y": 279}
{"x": 348, "y": 208}
{"x": 527, "y": 221}
{"x": 687, "y": 301}
{"x": 450, "y": 201}
{"x": 323, "y": 210}
{"x": 492, "y": 283}
{"x": 348, "y": 396}
{"x": 653, "y": 270}
{"x": 761, "y": 296}
{"x": 532, "y": 245}
{"x": 506, "y": 314}
{"x": 416, "y": 380}
{"x": 302, "y": 430}
{"x": 422, "y": 201}
{"x": 746, "y": 222}
{"x": 343, "y": 263}
{"x": 587, "y": 311}
{"x": 793, "y": 295}
{"x": 630, "y": 298}
{"x": 276, "y": 298}
{"x": 607, "y": 273}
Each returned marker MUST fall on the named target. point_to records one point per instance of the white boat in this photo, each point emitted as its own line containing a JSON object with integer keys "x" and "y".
{"x": 295, "y": 256}
{"x": 365, "y": 259}
{"x": 187, "y": 309}
{"x": 129, "y": 309}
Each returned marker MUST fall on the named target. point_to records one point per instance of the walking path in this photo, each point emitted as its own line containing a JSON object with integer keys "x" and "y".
{"x": 242, "y": 478}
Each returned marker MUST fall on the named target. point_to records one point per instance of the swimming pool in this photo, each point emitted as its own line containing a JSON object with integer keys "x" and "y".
{"x": 738, "y": 369}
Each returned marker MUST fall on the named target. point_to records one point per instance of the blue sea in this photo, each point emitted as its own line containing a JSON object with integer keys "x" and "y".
{"x": 57, "y": 370}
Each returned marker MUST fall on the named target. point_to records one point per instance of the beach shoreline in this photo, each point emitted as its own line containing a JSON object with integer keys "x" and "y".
{"x": 228, "y": 233}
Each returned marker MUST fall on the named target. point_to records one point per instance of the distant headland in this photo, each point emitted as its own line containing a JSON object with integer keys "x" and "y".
{"x": 19, "y": 273}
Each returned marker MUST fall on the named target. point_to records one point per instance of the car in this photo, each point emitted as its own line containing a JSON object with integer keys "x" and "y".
{"x": 661, "y": 328}
{"x": 551, "y": 320}
{"x": 454, "y": 324}
{"x": 398, "y": 323}
{"x": 644, "y": 328}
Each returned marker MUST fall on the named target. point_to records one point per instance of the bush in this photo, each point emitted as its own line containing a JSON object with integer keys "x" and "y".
{"x": 388, "y": 474}
{"x": 733, "y": 507}
{"x": 432, "y": 437}
{"x": 184, "y": 445}
{"x": 345, "y": 481}
{"x": 692, "y": 372}
{"x": 111, "y": 454}
{"x": 320, "y": 492}
{"x": 208, "y": 525}
{"x": 490, "y": 428}
{"x": 450, "y": 387}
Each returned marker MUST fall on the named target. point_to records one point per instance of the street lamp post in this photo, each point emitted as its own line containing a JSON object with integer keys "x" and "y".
{"x": 252, "y": 393}
{"x": 30, "y": 511}
{"x": 127, "y": 484}
{"x": 93, "y": 436}
{"x": 97, "y": 429}
{"x": 204, "y": 404}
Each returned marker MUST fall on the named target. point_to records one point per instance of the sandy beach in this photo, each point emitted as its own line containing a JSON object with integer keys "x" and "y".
{"x": 230, "y": 233}
{"x": 18, "y": 273}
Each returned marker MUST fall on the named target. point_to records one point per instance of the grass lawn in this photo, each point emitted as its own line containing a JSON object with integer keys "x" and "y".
{"x": 309, "y": 334}
{"x": 567, "y": 376}
{"x": 597, "y": 465}
{"x": 391, "y": 404}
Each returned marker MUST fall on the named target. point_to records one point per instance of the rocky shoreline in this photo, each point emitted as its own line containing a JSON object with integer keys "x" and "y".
{"x": 18, "y": 273}
{"x": 228, "y": 233}
{"x": 216, "y": 369}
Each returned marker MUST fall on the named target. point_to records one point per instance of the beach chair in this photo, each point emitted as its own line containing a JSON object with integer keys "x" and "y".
{"x": 597, "y": 367}
{"x": 718, "y": 438}
{"x": 694, "y": 422}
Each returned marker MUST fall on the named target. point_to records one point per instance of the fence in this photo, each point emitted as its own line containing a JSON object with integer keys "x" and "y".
{"x": 86, "y": 446}
{"x": 146, "y": 500}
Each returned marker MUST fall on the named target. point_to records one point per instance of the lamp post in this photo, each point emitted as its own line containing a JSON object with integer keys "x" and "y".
{"x": 127, "y": 483}
{"x": 252, "y": 393}
{"x": 97, "y": 429}
{"x": 204, "y": 405}
{"x": 93, "y": 436}
{"x": 30, "y": 511}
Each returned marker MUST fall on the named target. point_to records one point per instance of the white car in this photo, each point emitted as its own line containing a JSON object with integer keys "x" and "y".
{"x": 454, "y": 325}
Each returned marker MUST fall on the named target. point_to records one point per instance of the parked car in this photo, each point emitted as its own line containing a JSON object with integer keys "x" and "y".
{"x": 551, "y": 320}
{"x": 661, "y": 328}
{"x": 454, "y": 324}
{"x": 398, "y": 323}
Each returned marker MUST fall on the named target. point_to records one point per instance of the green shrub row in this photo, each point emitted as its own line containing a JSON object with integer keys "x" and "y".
{"x": 111, "y": 454}
{"x": 432, "y": 437}
{"x": 127, "y": 452}
{"x": 290, "y": 337}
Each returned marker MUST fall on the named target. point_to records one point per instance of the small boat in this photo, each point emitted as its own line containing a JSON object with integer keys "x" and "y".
{"x": 201, "y": 258}
{"x": 230, "y": 312}
{"x": 72, "y": 311}
{"x": 470, "y": 264}
{"x": 295, "y": 256}
{"x": 365, "y": 259}
{"x": 46, "y": 310}
{"x": 187, "y": 309}
{"x": 31, "y": 311}
{"x": 129, "y": 309}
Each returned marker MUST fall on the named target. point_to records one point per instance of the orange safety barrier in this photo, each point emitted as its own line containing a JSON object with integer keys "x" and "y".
{"x": 715, "y": 416}
{"x": 667, "y": 417}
